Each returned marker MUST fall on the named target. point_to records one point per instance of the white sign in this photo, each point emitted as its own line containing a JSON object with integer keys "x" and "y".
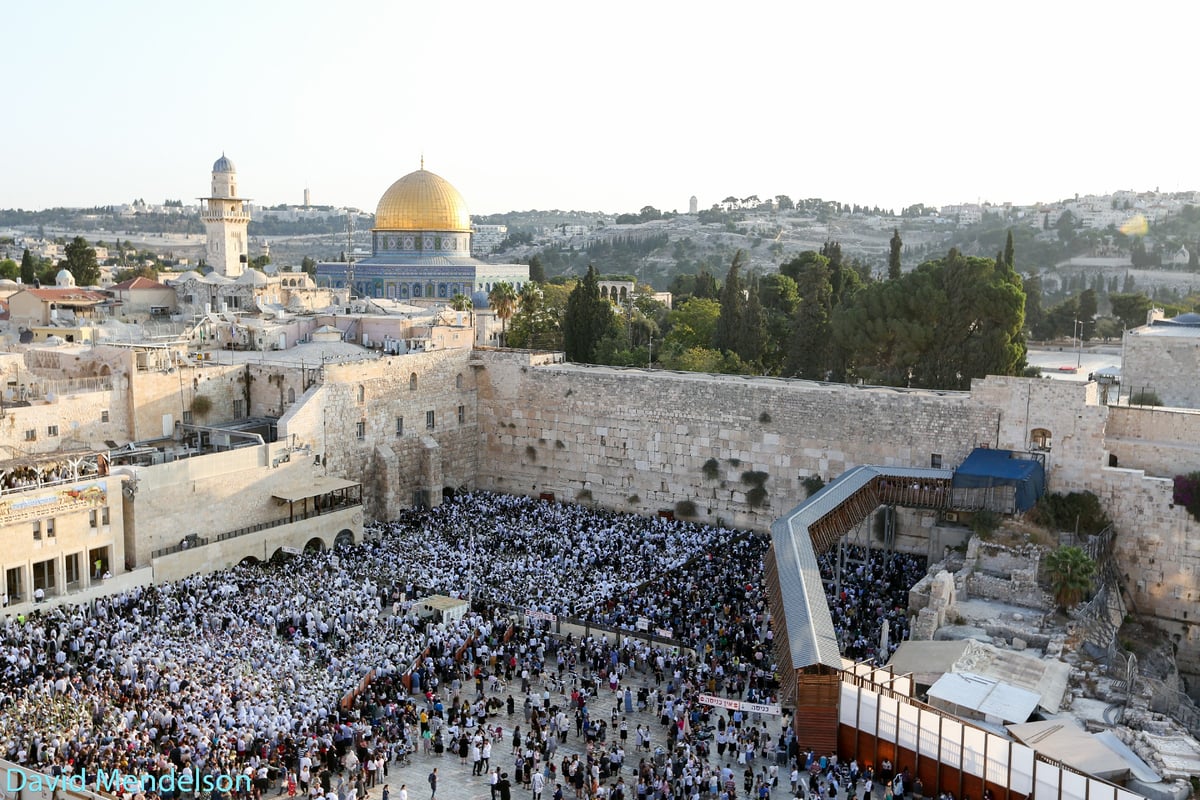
{"x": 739, "y": 705}
{"x": 529, "y": 612}
{"x": 666, "y": 633}
{"x": 643, "y": 623}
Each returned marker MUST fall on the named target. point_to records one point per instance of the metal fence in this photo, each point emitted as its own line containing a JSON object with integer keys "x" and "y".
{"x": 197, "y": 541}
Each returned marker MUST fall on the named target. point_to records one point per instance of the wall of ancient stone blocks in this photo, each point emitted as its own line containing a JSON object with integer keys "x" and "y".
{"x": 638, "y": 441}
{"x": 1165, "y": 365}
{"x": 1162, "y": 442}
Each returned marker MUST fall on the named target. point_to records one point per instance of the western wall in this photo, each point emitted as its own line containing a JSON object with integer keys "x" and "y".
{"x": 639, "y": 441}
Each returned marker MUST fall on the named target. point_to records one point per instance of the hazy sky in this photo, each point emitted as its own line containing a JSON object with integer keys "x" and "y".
{"x": 599, "y": 106}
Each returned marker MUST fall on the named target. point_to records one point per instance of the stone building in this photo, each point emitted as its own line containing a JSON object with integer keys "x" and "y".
{"x": 1162, "y": 359}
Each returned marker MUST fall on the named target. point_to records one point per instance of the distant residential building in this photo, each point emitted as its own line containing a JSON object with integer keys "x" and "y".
{"x": 142, "y": 297}
{"x": 486, "y": 239}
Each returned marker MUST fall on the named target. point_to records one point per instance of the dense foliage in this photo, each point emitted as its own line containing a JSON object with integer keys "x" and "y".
{"x": 1064, "y": 512}
{"x": 1187, "y": 493}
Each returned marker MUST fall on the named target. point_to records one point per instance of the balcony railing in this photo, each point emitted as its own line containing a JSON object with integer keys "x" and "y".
{"x": 193, "y": 542}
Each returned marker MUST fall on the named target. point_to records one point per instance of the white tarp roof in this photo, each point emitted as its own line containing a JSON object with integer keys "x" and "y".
{"x": 988, "y": 696}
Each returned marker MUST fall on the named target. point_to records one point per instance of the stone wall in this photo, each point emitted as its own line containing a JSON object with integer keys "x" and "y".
{"x": 71, "y": 422}
{"x": 209, "y": 495}
{"x": 1158, "y": 554}
{"x": 1165, "y": 365}
{"x": 1071, "y": 412}
{"x": 393, "y": 462}
{"x": 260, "y": 545}
{"x": 612, "y": 437}
{"x": 160, "y": 397}
{"x": 1161, "y": 442}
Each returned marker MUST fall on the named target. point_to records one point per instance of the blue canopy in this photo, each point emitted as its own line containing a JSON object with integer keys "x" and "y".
{"x": 986, "y": 467}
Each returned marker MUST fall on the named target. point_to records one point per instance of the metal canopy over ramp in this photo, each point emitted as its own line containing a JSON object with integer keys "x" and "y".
{"x": 804, "y": 632}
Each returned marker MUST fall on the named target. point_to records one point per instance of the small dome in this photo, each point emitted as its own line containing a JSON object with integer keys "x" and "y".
{"x": 64, "y": 278}
{"x": 252, "y": 277}
{"x": 9, "y": 283}
{"x": 223, "y": 164}
{"x": 422, "y": 201}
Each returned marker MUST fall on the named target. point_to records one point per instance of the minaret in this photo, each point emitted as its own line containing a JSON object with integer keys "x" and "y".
{"x": 225, "y": 217}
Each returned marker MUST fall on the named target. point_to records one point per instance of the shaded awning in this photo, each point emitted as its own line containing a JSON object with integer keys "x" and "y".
{"x": 313, "y": 488}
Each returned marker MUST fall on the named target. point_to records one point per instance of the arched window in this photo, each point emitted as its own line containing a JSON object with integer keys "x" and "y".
{"x": 458, "y": 381}
{"x": 291, "y": 395}
{"x": 362, "y": 394}
{"x": 412, "y": 382}
{"x": 1040, "y": 439}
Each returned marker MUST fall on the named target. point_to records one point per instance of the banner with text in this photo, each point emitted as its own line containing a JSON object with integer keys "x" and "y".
{"x": 739, "y": 705}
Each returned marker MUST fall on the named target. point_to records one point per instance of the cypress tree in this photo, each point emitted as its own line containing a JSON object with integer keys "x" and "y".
{"x": 894, "y": 255}
{"x": 586, "y": 319}
{"x": 28, "y": 271}
{"x": 733, "y": 308}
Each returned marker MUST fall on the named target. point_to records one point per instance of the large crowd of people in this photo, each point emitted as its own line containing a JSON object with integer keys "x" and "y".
{"x": 871, "y": 590}
{"x": 317, "y": 673}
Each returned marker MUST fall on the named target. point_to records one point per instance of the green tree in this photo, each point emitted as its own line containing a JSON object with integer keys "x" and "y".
{"x": 503, "y": 301}
{"x": 693, "y": 324}
{"x": 752, "y": 340}
{"x": 1034, "y": 312}
{"x": 538, "y": 323}
{"x": 896, "y": 246}
{"x": 81, "y": 261}
{"x": 1130, "y": 308}
{"x": 129, "y": 274}
{"x": 460, "y": 302}
{"x": 586, "y": 320}
{"x": 1066, "y": 226}
{"x": 941, "y": 325}
{"x": 308, "y": 265}
{"x": 809, "y": 352}
{"x": 537, "y": 271}
{"x": 10, "y": 269}
{"x": 28, "y": 270}
{"x": 1009, "y": 250}
{"x": 706, "y": 285}
{"x": 733, "y": 308}
{"x": 1087, "y": 313}
{"x": 1070, "y": 571}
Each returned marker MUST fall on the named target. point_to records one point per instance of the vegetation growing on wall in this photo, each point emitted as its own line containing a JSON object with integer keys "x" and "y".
{"x": 201, "y": 405}
{"x": 1068, "y": 512}
{"x": 685, "y": 508}
{"x": 756, "y": 495}
{"x": 711, "y": 469}
{"x": 1187, "y": 493}
{"x": 813, "y": 484}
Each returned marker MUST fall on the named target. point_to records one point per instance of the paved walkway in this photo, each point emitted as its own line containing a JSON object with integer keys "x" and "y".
{"x": 455, "y": 779}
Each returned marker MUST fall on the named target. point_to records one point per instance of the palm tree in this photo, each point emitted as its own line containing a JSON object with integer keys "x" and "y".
{"x": 460, "y": 302}
{"x": 1071, "y": 571}
{"x": 503, "y": 300}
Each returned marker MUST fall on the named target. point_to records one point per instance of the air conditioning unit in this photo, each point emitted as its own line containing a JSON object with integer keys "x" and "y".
{"x": 950, "y": 516}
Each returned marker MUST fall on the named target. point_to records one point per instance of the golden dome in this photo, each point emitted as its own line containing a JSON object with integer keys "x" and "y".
{"x": 422, "y": 201}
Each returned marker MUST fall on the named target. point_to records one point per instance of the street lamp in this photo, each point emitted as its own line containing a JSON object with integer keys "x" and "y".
{"x": 1079, "y": 346}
